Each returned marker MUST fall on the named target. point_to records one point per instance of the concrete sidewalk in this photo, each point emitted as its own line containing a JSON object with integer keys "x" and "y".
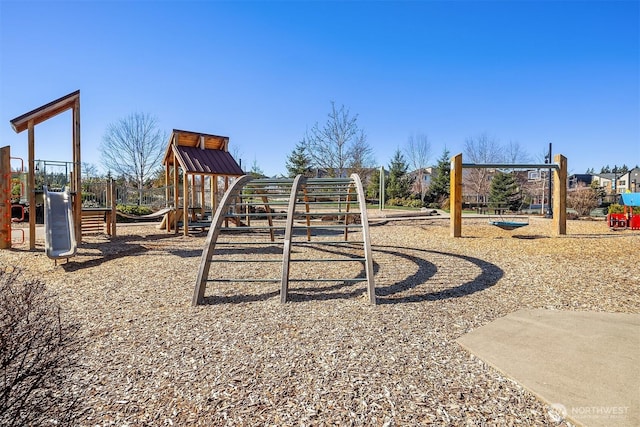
{"x": 585, "y": 365}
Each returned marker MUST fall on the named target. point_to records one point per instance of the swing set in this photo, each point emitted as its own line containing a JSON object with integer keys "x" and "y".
{"x": 508, "y": 222}
{"x": 559, "y": 168}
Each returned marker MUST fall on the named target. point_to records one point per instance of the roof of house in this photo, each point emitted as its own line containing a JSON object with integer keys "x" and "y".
{"x": 201, "y": 153}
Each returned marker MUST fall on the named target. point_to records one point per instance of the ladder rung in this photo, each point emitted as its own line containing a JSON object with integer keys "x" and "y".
{"x": 328, "y": 242}
{"x": 341, "y": 226}
{"x": 250, "y": 243}
{"x": 247, "y": 260}
{"x": 243, "y": 280}
{"x": 359, "y": 279}
{"x": 326, "y": 259}
{"x": 255, "y": 227}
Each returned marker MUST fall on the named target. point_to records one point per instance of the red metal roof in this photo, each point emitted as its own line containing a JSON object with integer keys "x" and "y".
{"x": 195, "y": 160}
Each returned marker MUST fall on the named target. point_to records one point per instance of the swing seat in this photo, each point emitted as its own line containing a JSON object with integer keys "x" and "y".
{"x": 508, "y": 225}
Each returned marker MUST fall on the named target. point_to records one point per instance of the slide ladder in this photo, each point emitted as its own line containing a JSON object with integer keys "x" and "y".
{"x": 59, "y": 232}
{"x": 288, "y": 231}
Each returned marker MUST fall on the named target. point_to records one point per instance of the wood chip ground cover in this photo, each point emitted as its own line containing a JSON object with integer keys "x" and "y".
{"x": 327, "y": 357}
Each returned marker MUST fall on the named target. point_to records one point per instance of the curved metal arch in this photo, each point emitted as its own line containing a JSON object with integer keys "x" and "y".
{"x": 298, "y": 183}
{"x": 212, "y": 237}
{"x": 366, "y": 238}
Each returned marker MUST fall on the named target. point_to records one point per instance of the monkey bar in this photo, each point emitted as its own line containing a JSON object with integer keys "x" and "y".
{"x": 264, "y": 220}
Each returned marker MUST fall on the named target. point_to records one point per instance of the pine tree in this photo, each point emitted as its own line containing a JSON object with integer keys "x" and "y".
{"x": 398, "y": 183}
{"x": 373, "y": 188}
{"x": 440, "y": 185}
{"x": 298, "y": 162}
{"x": 504, "y": 192}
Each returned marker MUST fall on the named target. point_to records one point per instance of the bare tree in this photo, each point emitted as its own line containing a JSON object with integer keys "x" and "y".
{"x": 133, "y": 147}
{"x": 514, "y": 153}
{"x": 361, "y": 155}
{"x": 583, "y": 199}
{"x": 418, "y": 152}
{"x": 339, "y": 145}
{"x": 481, "y": 149}
{"x": 89, "y": 170}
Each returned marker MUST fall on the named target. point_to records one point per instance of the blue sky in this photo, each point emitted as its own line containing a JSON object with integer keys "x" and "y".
{"x": 531, "y": 72}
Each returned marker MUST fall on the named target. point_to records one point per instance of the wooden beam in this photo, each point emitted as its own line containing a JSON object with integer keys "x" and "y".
{"x": 455, "y": 196}
{"x": 202, "y": 196}
{"x": 185, "y": 208}
{"x": 45, "y": 112}
{"x": 76, "y": 185}
{"x": 560, "y": 195}
{"x": 5, "y": 197}
{"x": 176, "y": 198}
{"x": 32, "y": 185}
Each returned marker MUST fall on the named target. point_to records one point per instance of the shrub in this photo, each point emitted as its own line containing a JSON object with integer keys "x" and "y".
{"x": 413, "y": 203}
{"x": 37, "y": 350}
{"x": 134, "y": 209}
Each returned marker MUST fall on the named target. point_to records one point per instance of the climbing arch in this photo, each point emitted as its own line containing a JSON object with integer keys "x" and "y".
{"x": 301, "y": 225}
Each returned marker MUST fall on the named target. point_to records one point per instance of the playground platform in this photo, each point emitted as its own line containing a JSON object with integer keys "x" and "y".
{"x": 585, "y": 365}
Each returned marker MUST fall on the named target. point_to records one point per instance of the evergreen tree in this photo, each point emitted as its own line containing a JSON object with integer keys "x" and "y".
{"x": 373, "y": 188}
{"x": 256, "y": 172}
{"x": 440, "y": 185}
{"x": 504, "y": 192}
{"x": 398, "y": 183}
{"x": 298, "y": 162}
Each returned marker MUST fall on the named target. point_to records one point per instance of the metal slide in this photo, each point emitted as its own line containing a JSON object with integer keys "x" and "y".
{"x": 59, "y": 232}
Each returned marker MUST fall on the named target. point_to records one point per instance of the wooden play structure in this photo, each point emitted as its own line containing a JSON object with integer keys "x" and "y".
{"x": 5, "y": 198}
{"x": 287, "y": 230}
{"x": 28, "y": 121}
{"x": 197, "y": 157}
{"x": 628, "y": 219}
{"x": 84, "y": 221}
{"x": 559, "y": 192}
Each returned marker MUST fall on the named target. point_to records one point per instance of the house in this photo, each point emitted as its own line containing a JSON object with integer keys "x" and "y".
{"x": 633, "y": 178}
{"x": 614, "y": 183}
{"x": 579, "y": 180}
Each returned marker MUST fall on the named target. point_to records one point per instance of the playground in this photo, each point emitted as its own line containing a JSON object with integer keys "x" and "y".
{"x": 292, "y": 304}
{"x": 328, "y": 356}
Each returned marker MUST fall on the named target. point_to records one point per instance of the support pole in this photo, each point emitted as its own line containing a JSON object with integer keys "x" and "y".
{"x": 32, "y": 184}
{"x": 381, "y": 194}
{"x": 5, "y": 197}
{"x": 185, "y": 208}
{"x": 455, "y": 196}
{"x": 76, "y": 185}
{"x": 560, "y": 196}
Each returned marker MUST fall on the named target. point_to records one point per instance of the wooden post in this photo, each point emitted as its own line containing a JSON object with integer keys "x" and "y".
{"x": 455, "y": 196}
{"x": 176, "y": 196}
{"x": 32, "y": 184}
{"x": 5, "y": 197}
{"x": 76, "y": 185}
{"x": 212, "y": 194}
{"x": 185, "y": 208}
{"x": 202, "y": 196}
{"x": 167, "y": 194}
{"x": 560, "y": 195}
{"x": 111, "y": 188}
